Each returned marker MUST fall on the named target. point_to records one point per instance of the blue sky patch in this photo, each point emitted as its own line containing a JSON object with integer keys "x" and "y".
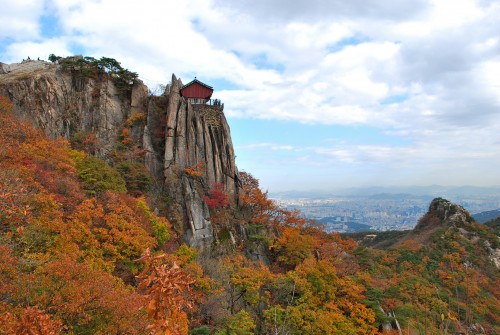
{"x": 4, "y": 43}
{"x": 262, "y": 62}
{"x": 348, "y": 41}
{"x": 78, "y": 49}
{"x": 49, "y": 26}
{"x": 251, "y": 131}
{"x": 394, "y": 99}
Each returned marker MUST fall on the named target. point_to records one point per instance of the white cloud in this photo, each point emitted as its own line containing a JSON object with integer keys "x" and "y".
{"x": 20, "y": 19}
{"x": 36, "y": 50}
{"x": 271, "y": 146}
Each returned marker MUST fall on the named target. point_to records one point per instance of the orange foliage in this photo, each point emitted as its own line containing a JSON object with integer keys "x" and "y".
{"x": 125, "y": 137}
{"x": 30, "y": 163}
{"x": 74, "y": 293}
{"x": 65, "y": 259}
{"x": 167, "y": 289}
{"x": 196, "y": 170}
{"x": 110, "y": 230}
{"x": 293, "y": 247}
{"x": 30, "y": 321}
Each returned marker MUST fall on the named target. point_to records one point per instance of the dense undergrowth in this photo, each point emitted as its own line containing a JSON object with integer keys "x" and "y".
{"x": 82, "y": 252}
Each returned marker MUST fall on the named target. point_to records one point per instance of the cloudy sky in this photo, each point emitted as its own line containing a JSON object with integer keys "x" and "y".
{"x": 319, "y": 94}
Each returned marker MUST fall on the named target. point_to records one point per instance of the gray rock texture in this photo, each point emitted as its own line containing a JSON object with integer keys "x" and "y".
{"x": 64, "y": 105}
{"x": 192, "y": 137}
{"x": 174, "y": 135}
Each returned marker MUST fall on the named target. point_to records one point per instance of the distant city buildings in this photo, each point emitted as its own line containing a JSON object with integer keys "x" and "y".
{"x": 376, "y": 213}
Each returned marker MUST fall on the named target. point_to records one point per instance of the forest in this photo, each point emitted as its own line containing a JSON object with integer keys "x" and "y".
{"x": 83, "y": 250}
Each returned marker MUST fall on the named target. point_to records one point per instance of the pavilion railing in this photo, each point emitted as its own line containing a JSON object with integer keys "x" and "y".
{"x": 209, "y": 102}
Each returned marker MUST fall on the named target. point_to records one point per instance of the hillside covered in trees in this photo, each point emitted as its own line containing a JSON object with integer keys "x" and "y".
{"x": 88, "y": 246}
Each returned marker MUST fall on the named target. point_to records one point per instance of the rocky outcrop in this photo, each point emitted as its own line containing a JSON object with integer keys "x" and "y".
{"x": 64, "y": 104}
{"x": 174, "y": 135}
{"x": 446, "y": 218}
{"x": 192, "y": 136}
{"x": 197, "y": 137}
{"x": 442, "y": 215}
{"x": 448, "y": 213}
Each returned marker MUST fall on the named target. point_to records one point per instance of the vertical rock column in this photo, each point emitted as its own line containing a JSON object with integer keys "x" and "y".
{"x": 191, "y": 137}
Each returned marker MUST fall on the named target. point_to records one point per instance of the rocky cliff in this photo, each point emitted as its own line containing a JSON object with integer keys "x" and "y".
{"x": 197, "y": 137}
{"x": 188, "y": 149}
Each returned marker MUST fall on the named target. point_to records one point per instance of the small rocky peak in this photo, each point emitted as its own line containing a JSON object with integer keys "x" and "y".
{"x": 449, "y": 213}
{"x": 443, "y": 213}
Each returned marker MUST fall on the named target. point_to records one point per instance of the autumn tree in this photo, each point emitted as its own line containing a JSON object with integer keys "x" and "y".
{"x": 29, "y": 321}
{"x": 322, "y": 303}
{"x": 293, "y": 247}
{"x": 217, "y": 197}
{"x": 167, "y": 289}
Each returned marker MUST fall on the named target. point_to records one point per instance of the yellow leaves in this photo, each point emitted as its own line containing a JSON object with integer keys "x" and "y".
{"x": 309, "y": 319}
{"x": 186, "y": 254}
{"x": 247, "y": 277}
{"x": 240, "y": 323}
{"x": 77, "y": 156}
{"x": 328, "y": 304}
{"x": 158, "y": 225}
{"x": 135, "y": 118}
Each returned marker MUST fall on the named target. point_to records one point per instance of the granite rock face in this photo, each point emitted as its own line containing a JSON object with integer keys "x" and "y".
{"x": 64, "y": 105}
{"x": 174, "y": 135}
{"x": 198, "y": 135}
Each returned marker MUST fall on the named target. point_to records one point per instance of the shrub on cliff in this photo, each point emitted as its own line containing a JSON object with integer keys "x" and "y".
{"x": 98, "y": 176}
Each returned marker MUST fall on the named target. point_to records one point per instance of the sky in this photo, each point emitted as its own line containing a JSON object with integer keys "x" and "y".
{"x": 319, "y": 94}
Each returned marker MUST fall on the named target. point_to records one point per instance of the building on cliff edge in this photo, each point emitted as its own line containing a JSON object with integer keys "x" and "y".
{"x": 198, "y": 93}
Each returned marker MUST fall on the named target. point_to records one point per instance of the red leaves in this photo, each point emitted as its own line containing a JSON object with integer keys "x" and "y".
{"x": 218, "y": 197}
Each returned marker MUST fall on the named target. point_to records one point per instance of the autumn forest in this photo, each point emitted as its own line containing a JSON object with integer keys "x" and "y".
{"x": 86, "y": 247}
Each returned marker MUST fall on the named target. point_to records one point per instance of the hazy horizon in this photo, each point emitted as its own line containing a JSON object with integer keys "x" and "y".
{"x": 409, "y": 189}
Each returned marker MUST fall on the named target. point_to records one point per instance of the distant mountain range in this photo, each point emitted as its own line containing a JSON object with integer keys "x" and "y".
{"x": 426, "y": 191}
{"x": 484, "y": 217}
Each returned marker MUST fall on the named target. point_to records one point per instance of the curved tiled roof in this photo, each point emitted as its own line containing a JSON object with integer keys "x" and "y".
{"x": 198, "y": 82}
